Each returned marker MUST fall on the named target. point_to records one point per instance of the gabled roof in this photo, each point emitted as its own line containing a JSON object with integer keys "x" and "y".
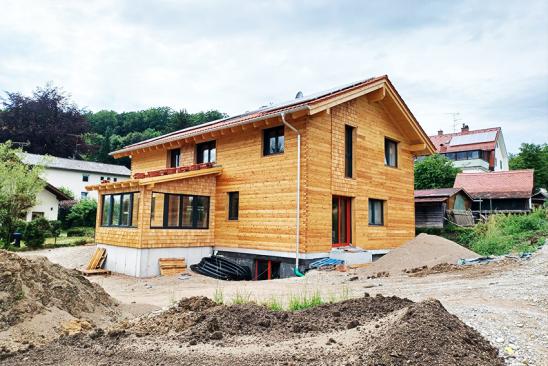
{"x": 61, "y": 196}
{"x": 484, "y": 139}
{"x": 508, "y": 184}
{"x": 310, "y": 104}
{"x": 437, "y": 195}
{"x": 72, "y": 164}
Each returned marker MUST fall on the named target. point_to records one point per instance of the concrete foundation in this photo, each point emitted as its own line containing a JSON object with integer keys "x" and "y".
{"x": 144, "y": 262}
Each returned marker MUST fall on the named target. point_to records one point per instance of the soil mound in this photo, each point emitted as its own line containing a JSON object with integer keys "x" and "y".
{"x": 424, "y": 250}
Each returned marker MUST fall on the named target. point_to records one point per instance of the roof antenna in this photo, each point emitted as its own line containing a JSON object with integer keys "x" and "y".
{"x": 299, "y": 95}
{"x": 456, "y": 120}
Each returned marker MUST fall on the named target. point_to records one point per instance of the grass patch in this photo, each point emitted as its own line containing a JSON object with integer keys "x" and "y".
{"x": 218, "y": 296}
{"x": 274, "y": 304}
{"x": 241, "y": 298}
{"x": 304, "y": 301}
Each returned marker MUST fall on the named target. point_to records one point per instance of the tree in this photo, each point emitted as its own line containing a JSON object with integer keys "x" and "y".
{"x": 67, "y": 191}
{"x": 19, "y": 186}
{"x": 435, "y": 171}
{"x": 532, "y": 156}
{"x": 83, "y": 213}
{"x": 48, "y": 120}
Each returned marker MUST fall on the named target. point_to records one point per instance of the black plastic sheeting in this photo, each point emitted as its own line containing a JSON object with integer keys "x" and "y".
{"x": 222, "y": 269}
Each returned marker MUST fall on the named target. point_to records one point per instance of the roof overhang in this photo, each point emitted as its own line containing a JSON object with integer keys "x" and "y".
{"x": 150, "y": 182}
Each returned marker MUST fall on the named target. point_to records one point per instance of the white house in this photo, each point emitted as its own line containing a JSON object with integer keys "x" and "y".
{"x": 76, "y": 174}
{"x": 47, "y": 204}
{"x": 474, "y": 151}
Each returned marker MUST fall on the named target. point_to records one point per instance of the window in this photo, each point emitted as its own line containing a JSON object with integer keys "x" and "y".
{"x": 348, "y": 150}
{"x": 500, "y": 164}
{"x": 206, "y": 152}
{"x": 475, "y": 154}
{"x": 341, "y": 221}
{"x": 85, "y": 177}
{"x": 36, "y": 214}
{"x": 102, "y": 179}
{"x": 376, "y": 212}
{"x": 83, "y": 195}
{"x": 174, "y": 158}
{"x": 179, "y": 211}
{"x": 390, "y": 153}
{"x": 233, "y": 205}
{"x": 114, "y": 179}
{"x": 273, "y": 141}
{"x": 120, "y": 209}
{"x": 451, "y": 156}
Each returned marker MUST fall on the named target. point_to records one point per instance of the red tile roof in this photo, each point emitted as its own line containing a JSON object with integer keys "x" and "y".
{"x": 509, "y": 184}
{"x": 441, "y": 142}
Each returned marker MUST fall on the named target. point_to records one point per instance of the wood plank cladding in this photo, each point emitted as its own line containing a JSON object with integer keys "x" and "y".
{"x": 267, "y": 184}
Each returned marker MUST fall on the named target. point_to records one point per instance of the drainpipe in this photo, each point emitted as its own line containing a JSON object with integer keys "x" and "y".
{"x": 298, "y": 211}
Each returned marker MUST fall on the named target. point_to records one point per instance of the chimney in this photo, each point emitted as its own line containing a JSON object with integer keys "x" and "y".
{"x": 440, "y": 132}
{"x": 464, "y": 128}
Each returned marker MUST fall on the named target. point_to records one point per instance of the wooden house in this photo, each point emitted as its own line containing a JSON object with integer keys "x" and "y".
{"x": 273, "y": 188}
{"x": 434, "y": 208}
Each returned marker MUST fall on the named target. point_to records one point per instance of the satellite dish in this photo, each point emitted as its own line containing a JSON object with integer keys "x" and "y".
{"x": 299, "y": 95}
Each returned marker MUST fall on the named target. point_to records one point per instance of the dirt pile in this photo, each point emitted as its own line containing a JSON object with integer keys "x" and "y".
{"x": 424, "y": 250}
{"x": 365, "y": 331}
{"x": 34, "y": 288}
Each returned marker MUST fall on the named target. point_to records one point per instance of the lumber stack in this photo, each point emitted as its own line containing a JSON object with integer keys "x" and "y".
{"x": 95, "y": 264}
{"x": 172, "y": 266}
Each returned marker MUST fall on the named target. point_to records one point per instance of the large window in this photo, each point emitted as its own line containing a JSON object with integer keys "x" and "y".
{"x": 390, "y": 153}
{"x": 467, "y": 155}
{"x": 341, "y": 233}
{"x": 174, "y": 158}
{"x": 273, "y": 140}
{"x": 179, "y": 211}
{"x": 206, "y": 152}
{"x": 348, "y": 153}
{"x": 120, "y": 209}
{"x": 233, "y": 205}
{"x": 376, "y": 212}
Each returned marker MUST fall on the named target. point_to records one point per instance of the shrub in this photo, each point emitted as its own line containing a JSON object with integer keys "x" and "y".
{"x": 35, "y": 232}
{"x": 80, "y": 231}
{"x": 83, "y": 213}
{"x": 64, "y": 210}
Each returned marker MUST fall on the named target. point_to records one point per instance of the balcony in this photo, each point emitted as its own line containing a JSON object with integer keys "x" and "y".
{"x": 474, "y": 165}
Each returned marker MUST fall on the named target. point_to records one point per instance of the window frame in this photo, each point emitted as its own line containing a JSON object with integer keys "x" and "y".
{"x": 194, "y": 219}
{"x": 266, "y": 147}
{"x": 349, "y": 151}
{"x": 387, "y": 142}
{"x": 110, "y": 209}
{"x": 174, "y": 153}
{"x": 85, "y": 177}
{"x": 369, "y": 206}
{"x": 208, "y": 144}
{"x": 233, "y": 216}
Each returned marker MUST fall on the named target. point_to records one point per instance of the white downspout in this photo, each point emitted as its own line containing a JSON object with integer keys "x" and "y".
{"x": 298, "y": 212}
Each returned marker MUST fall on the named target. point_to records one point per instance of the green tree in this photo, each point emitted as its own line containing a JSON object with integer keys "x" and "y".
{"x": 67, "y": 191}
{"x": 83, "y": 213}
{"x": 532, "y": 156}
{"x": 19, "y": 186}
{"x": 435, "y": 171}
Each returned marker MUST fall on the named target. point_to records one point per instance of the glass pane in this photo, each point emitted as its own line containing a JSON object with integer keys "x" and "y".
{"x": 187, "y": 211}
{"x": 335, "y": 221}
{"x": 281, "y": 142}
{"x": 461, "y": 155}
{"x": 213, "y": 154}
{"x": 392, "y": 152}
{"x": 157, "y": 210}
{"x": 116, "y": 209}
{"x": 233, "y": 203}
{"x": 474, "y": 154}
{"x": 135, "y": 210}
{"x": 343, "y": 233}
{"x": 201, "y": 206}
{"x": 272, "y": 145}
{"x": 173, "y": 210}
{"x": 106, "y": 209}
{"x": 125, "y": 209}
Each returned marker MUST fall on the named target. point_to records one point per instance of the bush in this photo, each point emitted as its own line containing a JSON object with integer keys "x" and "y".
{"x": 35, "y": 232}
{"x": 80, "y": 231}
{"x": 83, "y": 213}
{"x": 64, "y": 210}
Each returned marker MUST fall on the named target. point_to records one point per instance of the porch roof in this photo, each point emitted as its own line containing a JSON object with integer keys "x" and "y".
{"x": 134, "y": 183}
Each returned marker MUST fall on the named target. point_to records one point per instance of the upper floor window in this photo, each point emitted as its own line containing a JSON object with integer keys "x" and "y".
{"x": 390, "y": 153}
{"x": 206, "y": 152}
{"x": 174, "y": 158}
{"x": 348, "y": 150}
{"x": 233, "y": 205}
{"x": 85, "y": 177}
{"x": 273, "y": 140}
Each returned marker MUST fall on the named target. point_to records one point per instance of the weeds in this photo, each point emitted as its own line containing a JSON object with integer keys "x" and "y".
{"x": 241, "y": 298}
{"x": 218, "y": 296}
{"x": 303, "y": 301}
{"x": 274, "y": 304}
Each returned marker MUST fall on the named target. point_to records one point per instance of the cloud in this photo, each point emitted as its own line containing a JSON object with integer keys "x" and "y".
{"x": 486, "y": 60}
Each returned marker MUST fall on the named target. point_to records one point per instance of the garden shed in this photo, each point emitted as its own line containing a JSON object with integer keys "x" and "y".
{"x": 435, "y": 207}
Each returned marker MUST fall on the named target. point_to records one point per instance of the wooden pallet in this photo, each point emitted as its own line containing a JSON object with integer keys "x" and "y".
{"x": 91, "y": 272}
{"x": 171, "y": 266}
{"x": 95, "y": 264}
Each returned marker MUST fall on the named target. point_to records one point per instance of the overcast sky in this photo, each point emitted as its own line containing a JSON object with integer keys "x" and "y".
{"x": 487, "y": 60}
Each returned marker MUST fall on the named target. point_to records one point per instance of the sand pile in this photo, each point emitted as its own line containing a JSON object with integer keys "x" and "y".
{"x": 365, "y": 331}
{"x": 34, "y": 288}
{"x": 424, "y": 250}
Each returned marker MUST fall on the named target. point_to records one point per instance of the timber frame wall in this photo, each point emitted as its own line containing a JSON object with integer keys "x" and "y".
{"x": 266, "y": 184}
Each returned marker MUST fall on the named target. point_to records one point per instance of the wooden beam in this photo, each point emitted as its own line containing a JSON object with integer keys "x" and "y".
{"x": 377, "y": 95}
{"x": 417, "y": 147}
{"x": 299, "y": 114}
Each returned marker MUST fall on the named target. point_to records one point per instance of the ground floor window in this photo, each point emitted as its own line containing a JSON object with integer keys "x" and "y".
{"x": 341, "y": 221}
{"x": 120, "y": 209}
{"x": 376, "y": 212}
{"x": 36, "y": 214}
{"x": 179, "y": 211}
{"x": 266, "y": 270}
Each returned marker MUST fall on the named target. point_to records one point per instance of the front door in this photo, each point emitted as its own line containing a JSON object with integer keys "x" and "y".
{"x": 341, "y": 219}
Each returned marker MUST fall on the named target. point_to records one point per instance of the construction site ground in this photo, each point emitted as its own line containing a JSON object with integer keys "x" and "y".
{"x": 505, "y": 302}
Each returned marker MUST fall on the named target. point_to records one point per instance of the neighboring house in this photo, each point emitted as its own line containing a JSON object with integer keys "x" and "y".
{"x": 474, "y": 151}
{"x": 435, "y": 207}
{"x": 539, "y": 199}
{"x": 509, "y": 191}
{"x": 47, "y": 203}
{"x": 77, "y": 174}
{"x": 235, "y": 185}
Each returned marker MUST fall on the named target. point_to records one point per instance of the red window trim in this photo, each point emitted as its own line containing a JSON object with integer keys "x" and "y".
{"x": 348, "y": 227}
